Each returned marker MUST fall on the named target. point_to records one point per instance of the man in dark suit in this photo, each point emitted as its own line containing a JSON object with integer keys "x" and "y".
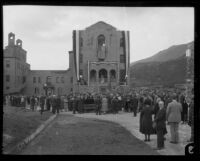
{"x": 58, "y": 104}
{"x": 74, "y": 103}
{"x": 32, "y": 103}
{"x": 54, "y": 104}
{"x": 160, "y": 121}
{"x": 98, "y": 105}
{"x": 42, "y": 102}
{"x": 134, "y": 104}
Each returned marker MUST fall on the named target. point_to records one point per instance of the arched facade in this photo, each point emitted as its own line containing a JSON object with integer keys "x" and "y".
{"x": 103, "y": 76}
{"x": 112, "y": 75}
{"x": 101, "y": 52}
{"x": 93, "y": 75}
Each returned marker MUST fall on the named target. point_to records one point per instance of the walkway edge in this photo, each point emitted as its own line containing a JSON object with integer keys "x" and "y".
{"x": 28, "y": 139}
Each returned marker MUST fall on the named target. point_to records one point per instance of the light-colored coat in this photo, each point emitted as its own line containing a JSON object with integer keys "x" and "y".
{"x": 104, "y": 104}
{"x": 173, "y": 113}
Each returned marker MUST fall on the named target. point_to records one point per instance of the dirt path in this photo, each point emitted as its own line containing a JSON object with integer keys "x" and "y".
{"x": 73, "y": 135}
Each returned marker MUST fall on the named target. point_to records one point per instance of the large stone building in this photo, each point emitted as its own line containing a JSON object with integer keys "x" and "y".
{"x": 100, "y": 58}
{"x": 18, "y": 78}
{"x": 99, "y": 62}
{"x": 15, "y": 67}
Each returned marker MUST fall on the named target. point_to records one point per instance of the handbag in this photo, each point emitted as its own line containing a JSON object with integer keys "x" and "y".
{"x": 154, "y": 125}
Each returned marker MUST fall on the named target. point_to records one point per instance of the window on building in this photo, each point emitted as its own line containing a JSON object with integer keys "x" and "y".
{"x": 103, "y": 76}
{"x": 81, "y": 42}
{"x": 81, "y": 72}
{"x": 7, "y": 78}
{"x": 62, "y": 79}
{"x": 24, "y": 79}
{"x": 37, "y": 90}
{"x": 101, "y": 40}
{"x": 48, "y": 79}
{"x": 39, "y": 80}
{"x": 121, "y": 42}
{"x": 112, "y": 75}
{"x": 7, "y": 87}
{"x": 81, "y": 58}
{"x": 122, "y": 75}
{"x": 71, "y": 79}
{"x": 57, "y": 79}
{"x": 122, "y": 58}
{"x": 7, "y": 63}
{"x": 34, "y": 79}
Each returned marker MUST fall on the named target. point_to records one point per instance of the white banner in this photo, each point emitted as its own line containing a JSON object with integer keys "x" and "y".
{"x": 127, "y": 50}
{"x": 77, "y": 54}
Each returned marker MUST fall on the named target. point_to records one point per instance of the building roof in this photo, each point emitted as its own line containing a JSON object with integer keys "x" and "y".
{"x": 101, "y": 22}
{"x": 54, "y": 71}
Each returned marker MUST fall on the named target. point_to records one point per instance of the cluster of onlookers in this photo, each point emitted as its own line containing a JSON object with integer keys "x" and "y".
{"x": 15, "y": 100}
{"x": 168, "y": 106}
{"x": 36, "y": 103}
{"x": 103, "y": 103}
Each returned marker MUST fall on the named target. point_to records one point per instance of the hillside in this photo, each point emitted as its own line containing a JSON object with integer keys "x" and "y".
{"x": 171, "y": 53}
{"x": 168, "y": 67}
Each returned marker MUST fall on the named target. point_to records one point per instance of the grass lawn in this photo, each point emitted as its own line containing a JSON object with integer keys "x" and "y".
{"x": 18, "y": 124}
{"x": 74, "y": 135}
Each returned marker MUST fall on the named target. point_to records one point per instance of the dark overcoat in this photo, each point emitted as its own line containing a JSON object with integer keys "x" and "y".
{"x": 161, "y": 121}
{"x": 146, "y": 120}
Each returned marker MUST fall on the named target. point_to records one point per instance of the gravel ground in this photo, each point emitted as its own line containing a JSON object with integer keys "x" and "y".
{"x": 72, "y": 135}
{"x": 19, "y": 123}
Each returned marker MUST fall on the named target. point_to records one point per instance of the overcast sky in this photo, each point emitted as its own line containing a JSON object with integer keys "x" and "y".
{"x": 46, "y": 31}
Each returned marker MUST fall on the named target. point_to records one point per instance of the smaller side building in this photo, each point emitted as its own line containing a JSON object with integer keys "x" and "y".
{"x": 48, "y": 82}
{"x": 15, "y": 66}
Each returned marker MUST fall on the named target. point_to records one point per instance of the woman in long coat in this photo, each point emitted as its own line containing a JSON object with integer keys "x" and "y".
{"x": 146, "y": 120}
{"x": 104, "y": 104}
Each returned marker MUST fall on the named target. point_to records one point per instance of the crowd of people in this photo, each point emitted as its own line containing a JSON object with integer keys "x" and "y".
{"x": 166, "y": 105}
{"x": 169, "y": 106}
{"x": 40, "y": 103}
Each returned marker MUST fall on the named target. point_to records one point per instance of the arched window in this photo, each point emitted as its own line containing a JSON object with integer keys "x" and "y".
{"x": 101, "y": 47}
{"x": 103, "y": 76}
{"x": 93, "y": 76}
{"x": 101, "y": 41}
{"x": 112, "y": 75}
